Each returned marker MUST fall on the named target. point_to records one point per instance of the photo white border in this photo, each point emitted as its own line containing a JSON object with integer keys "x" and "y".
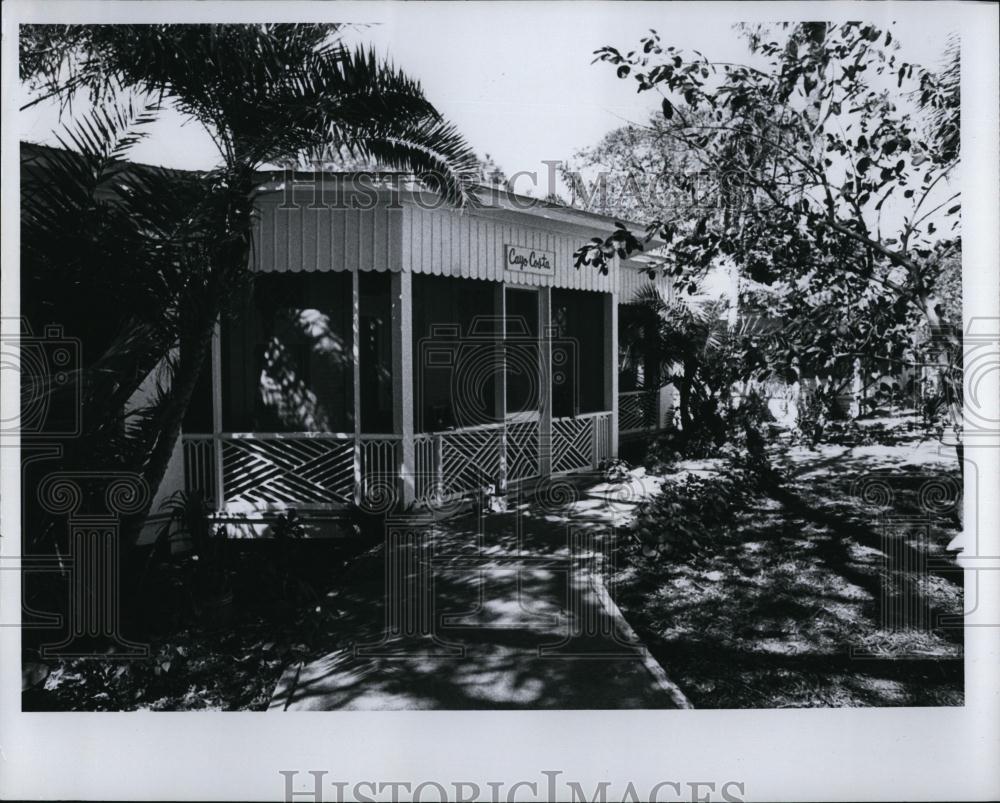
{"x": 793, "y": 755}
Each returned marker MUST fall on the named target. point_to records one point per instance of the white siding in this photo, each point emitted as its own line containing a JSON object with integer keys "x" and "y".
{"x": 442, "y": 241}
{"x": 298, "y": 238}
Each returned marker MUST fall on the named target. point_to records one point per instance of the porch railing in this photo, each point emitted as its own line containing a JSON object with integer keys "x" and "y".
{"x": 458, "y": 461}
{"x": 271, "y": 471}
{"x": 580, "y": 442}
{"x": 199, "y": 465}
{"x": 638, "y": 411}
{"x": 274, "y": 471}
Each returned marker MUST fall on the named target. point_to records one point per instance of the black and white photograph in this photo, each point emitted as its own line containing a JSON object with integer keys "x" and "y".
{"x": 622, "y": 371}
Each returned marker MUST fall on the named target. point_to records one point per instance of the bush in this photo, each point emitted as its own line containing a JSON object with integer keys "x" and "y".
{"x": 737, "y": 434}
{"x": 688, "y": 515}
{"x": 818, "y": 408}
{"x": 811, "y": 418}
{"x": 684, "y": 518}
{"x": 615, "y": 469}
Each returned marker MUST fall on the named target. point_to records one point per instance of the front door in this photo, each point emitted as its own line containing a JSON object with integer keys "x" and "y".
{"x": 524, "y": 387}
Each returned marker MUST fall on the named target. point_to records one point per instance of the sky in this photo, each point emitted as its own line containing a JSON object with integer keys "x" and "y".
{"x": 517, "y": 79}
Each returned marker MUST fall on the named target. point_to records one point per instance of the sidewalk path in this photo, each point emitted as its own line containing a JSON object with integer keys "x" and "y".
{"x": 502, "y": 611}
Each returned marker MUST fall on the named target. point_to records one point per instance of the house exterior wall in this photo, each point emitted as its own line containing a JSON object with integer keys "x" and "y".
{"x": 470, "y": 244}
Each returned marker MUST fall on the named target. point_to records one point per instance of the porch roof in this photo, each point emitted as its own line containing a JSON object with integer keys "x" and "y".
{"x": 333, "y": 222}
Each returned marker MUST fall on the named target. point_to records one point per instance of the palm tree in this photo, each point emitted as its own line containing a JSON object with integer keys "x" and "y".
{"x": 263, "y": 93}
{"x": 700, "y": 353}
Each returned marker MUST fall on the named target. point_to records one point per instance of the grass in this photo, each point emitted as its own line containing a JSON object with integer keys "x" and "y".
{"x": 795, "y": 600}
{"x": 812, "y": 596}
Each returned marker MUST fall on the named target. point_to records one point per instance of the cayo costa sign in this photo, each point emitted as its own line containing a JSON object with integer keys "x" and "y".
{"x": 528, "y": 260}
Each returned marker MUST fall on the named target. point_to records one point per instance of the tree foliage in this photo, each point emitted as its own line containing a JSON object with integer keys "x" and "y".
{"x": 832, "y": 161}
{"x": 638, "y": 173}
{"x": 179, "y": 246}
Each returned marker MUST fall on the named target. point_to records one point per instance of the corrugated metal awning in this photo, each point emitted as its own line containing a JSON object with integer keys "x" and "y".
{"x": 403, "y": 232}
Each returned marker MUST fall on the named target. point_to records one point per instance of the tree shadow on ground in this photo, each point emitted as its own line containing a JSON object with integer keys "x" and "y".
{"x": 500, "y": 612}
{"x": 834, "y": 590}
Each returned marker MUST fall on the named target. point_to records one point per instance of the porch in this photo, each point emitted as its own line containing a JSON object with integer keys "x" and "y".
{"x": 399, "y": 355}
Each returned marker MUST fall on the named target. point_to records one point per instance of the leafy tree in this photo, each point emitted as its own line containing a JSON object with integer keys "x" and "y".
{"x": 263, "y": 93}
{"x": 489, "y": 172}
{"x": 638, "y": 173}
{"x": 834, "y": 191}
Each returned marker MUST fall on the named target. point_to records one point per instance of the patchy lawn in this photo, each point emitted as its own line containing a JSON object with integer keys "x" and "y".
{"x": 194, "y": 669}
{"x": 834, "y": 588}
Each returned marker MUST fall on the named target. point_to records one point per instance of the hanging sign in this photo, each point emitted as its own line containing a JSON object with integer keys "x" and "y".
{"x": 518, "y": 259}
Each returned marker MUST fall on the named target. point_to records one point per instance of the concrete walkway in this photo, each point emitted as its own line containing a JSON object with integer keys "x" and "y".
{"x": 490, "y": 612}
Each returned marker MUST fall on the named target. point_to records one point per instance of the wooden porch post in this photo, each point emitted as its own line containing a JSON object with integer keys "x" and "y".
{"x": 611, "y": 367}
{"x": 220, "y": 490}
{"x": 545, "y": 381}
{"x": 401, "y": 289}
{"x": 500, "y": 305}
{"x": 356, "y": 379}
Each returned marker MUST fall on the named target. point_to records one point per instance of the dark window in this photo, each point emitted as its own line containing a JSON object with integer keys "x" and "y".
{"x": 638, "y": 363}
{"x": 287, "y": 356}
{"x": 198, "y": 416}
{"x": 522, "y": 356}
{"x": 375, "y": 367}
{"x": 455, "y": 352}
{"x": 577, "y": 377}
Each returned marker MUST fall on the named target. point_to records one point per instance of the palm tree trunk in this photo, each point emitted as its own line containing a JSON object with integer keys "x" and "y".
{"x": 229, "y": 262}
{"x": 192, "y": 360}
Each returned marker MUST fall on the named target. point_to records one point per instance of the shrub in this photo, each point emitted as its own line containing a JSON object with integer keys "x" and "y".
{"x": 741, "y": 434}
{"x": 615, "y": 469}
{"x": 685, "y": 517}
{"x": 812, "y": 417}
{"x": 688, "y": 515}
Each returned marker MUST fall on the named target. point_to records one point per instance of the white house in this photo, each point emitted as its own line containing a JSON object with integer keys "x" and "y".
{"x": 395, "y": 350}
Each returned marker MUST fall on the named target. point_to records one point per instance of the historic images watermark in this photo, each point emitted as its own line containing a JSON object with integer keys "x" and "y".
{"x": 980, "y": 362}
{"x": 322, "y": 184}
{"x": 314, "y": 786}
{"x": 490, "y": 445}
{"x": 911, "y": 505}
{"x": 47, "y": 364}
{"x": 82, "y": 510}
{"x": 418, "y": 622}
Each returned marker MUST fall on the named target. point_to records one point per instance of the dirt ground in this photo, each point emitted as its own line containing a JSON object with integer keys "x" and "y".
{"x": 836, "y": 589}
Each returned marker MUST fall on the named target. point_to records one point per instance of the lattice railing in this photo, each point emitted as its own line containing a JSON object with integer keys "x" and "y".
{"x": 522, "y": 450}
{"x": 638, "y": 411}
{"x": 282, "y": 470}
{"x": 424, "y": 458}
{"x": 580, "y": 442}
{"x": 199, "y": 465}
{"x": 378, "y": 455}
{"x": 459, "y": 461}
{"x": 468, "y": 458}
{"x": 265, "y": 471}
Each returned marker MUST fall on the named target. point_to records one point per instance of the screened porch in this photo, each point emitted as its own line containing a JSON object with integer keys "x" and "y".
{"x": 384, "y": 388}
